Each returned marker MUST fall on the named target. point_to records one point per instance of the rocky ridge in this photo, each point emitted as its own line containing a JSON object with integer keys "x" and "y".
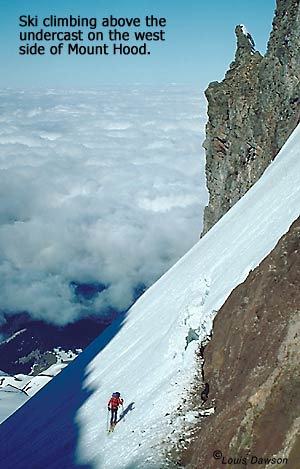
{"x": 252, "y": 111}
{"x": 252, "y": 360}
{"x": 252, "y": 366}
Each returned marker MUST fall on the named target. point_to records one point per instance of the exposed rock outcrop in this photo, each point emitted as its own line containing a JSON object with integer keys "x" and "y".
{"x": 252, "y": 111}
{"x": 252, "y": 367}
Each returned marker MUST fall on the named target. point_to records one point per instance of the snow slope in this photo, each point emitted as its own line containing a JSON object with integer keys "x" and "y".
{"x": 143, "y": 353}
{"x": 16, "y": 390}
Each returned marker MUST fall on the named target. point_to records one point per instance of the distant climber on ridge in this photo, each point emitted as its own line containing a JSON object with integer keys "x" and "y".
{"x": 113, "y": 404}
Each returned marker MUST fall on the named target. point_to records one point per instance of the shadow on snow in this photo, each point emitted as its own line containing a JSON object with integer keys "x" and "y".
{"x": 43, "y": 433}
{"x": 123, "y": 414}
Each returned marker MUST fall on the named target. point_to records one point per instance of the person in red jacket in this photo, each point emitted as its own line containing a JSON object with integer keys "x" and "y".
{"x": 113, "y": 404}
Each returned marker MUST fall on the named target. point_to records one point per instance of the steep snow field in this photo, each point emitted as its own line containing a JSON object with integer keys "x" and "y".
{"x": 10, "y": 399}
{"x": 143, "y": 354}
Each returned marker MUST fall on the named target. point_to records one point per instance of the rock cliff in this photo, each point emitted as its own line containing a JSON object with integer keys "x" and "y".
{"x": 251, "y": 364}
{"x": 252, "y": 111}
{"x": 252, "y": 367}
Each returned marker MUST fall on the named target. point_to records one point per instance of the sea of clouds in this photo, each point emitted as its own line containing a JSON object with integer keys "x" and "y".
{"x": 97, "y": 187}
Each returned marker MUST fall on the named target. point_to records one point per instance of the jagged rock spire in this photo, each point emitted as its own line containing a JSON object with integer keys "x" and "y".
{"x": 245, "y": 45}
{"x": 248, "y": 36}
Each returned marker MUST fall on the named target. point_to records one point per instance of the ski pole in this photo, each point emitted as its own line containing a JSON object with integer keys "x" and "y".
{"x": 107, "y": 424}
{"x": 123, "y": 411}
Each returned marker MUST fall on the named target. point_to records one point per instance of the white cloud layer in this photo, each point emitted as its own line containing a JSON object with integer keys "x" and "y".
{"x": 96, "y": 187}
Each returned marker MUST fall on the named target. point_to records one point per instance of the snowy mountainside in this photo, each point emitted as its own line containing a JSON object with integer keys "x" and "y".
{"x": 28, "y": 343}
{"x": 17, "y": 389}
{"x": 143, "y": 354}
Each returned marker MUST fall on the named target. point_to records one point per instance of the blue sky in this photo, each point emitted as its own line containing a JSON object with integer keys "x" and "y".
{"x": 200, "y": 42}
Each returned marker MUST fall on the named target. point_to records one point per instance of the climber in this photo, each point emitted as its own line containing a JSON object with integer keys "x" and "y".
{"x": 113, "y": 404}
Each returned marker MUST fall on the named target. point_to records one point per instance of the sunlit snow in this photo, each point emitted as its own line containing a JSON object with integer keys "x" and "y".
{"x": 143, "y": 354}
{"x": 16, "y": 390}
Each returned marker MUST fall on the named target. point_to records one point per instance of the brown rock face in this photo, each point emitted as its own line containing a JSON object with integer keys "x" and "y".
{"x": 252, "y": 365}
{"x": 252, "y": 111}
